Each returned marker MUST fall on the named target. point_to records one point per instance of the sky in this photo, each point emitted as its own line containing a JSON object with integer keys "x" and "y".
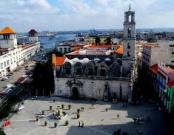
{"x": 64, "y": 15}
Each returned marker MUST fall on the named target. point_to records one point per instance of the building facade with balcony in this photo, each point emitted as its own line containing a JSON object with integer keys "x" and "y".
{"x": 163, "y": 84}
{"x": 11, "y": 54}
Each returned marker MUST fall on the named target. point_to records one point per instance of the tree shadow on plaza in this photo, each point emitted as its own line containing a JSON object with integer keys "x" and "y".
{"x": 129, "y": 128}
{"x": 144, "y": 112}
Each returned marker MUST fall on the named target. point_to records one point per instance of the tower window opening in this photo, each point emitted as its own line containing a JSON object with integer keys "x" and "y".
{"x": 128, "y": 46}
{"x": 129, "y": 32}
{"x": 129, "y": 19}
{"x": 6, "y": 36}
{"x": 128, "y": 54}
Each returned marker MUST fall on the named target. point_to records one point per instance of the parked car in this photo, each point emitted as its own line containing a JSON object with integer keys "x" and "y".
{"x": 2, "y": 94}
{"x": 4, "y": 78}
{"x": 28, "y": 72}
{"x": 30, "y": 75}
{"x": 20, "y": 80}
{"x": 8, "y": 90}
{"x": 24, "y": 76}
{"x": 10, "y": 85}
{"x": 10, "y": 73}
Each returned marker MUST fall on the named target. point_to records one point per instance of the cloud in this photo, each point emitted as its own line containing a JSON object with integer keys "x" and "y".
{"x": 78, "y": 7}
{"x": 83, "y": 14}
{"x": 102, "y": 2}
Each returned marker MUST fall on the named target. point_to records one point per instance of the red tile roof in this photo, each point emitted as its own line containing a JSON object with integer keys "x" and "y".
{"x": 7, "y": 30}
{"x": 167, "y": 71}
{"x": 58, "y": 60}
{"x": 100, "y": 46}
{"x": 119, "y": 50}
{"x": 154, "y": 69}
{"x": 170, "y": 84}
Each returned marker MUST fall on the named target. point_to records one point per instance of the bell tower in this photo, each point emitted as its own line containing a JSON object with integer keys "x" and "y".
{"x": 129, "y": 34}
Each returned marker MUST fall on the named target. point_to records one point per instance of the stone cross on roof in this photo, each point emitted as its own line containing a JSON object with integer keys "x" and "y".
{"x": 129, "y": 7}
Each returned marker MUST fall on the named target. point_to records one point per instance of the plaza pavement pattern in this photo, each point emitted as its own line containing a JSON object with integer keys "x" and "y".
{"x": 99, "y": 119}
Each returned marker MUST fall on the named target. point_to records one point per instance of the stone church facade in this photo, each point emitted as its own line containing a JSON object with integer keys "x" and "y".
{"x": 102, "y": 78}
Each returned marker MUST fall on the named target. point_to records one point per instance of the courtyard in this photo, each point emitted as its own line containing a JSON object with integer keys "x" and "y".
{"x": 99, "y": 118}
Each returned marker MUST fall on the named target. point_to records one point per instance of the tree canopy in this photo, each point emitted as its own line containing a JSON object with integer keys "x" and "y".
{"x": 97, "y": 40}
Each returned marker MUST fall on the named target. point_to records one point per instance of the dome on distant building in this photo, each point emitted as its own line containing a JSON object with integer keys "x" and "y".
{"x": 7, "y": 30}
{"x": 85, "y": 60}
{"x": 97, "y": 59}
{"x": 107, "y": 59}
{"x": 32, "y": 32}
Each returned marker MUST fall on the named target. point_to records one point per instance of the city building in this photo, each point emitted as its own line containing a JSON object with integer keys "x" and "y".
{"x": 13, "y": 55}
{"x": 139, "y": 50}
{"x": 161, "y": 51}
{"x": 64, "y": 48}
{"x": 33, "y": 36}
{"x": 163, "y": 84}
{"x": 97, "y": 71}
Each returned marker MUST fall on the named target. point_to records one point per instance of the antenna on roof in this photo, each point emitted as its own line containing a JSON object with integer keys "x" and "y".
{"x": 129, "y": 6}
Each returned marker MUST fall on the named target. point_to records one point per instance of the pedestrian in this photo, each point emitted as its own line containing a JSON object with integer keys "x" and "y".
{"x": 78, "y": 115}
{"x": 45, "y": 123}
{"x": 79, "y": 123}
{"x": 55, "y": 124}
{"x": 118, "y": 116}
{"x": 37, "y": 118}
{"x": 82, "y": 125}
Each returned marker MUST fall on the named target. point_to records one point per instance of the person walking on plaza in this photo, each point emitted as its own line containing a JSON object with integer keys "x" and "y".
{"x": 82, "y": 125}
{"x": 118, "y": 116}
{"x": 79, "y": 123}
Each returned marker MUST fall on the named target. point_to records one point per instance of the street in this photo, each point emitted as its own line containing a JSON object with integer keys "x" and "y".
{"x": 19, "y": 72}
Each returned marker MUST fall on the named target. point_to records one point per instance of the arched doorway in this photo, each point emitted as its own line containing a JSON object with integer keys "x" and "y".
{"x": 75, "y": 93}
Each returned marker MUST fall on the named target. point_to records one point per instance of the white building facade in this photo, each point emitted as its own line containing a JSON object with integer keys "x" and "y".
{"x": 11, "y": 54}
{"x": 160, "y": 52}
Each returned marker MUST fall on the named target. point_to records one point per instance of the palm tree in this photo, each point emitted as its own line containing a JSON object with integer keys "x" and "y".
{"x": 97, "y": 40}
{"x": 108, "y": 40}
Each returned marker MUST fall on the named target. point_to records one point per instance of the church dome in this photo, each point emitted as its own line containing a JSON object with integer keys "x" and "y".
{"x": 96, "y": 59}
{"x": 85, "y": 60}
{"x": 32, "y": 31}
{"x": 107, "y": 59}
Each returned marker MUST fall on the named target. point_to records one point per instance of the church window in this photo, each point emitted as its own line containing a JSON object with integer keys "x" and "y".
{"x": 128, "y": 46}
{"x": 67, "y": 68}
{"x": 78, "y": 68}
{"x": 89, "y": 70}
{"x": 103, "y": 72}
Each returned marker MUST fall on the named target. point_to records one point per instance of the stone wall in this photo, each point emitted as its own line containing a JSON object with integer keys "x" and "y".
{"x": 93, "y": 88}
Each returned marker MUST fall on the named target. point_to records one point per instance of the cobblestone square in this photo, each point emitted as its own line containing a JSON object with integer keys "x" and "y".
{"x": 100, "y": 118}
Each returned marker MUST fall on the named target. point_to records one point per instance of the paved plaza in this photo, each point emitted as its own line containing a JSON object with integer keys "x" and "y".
{"x": 100, "y": 118}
